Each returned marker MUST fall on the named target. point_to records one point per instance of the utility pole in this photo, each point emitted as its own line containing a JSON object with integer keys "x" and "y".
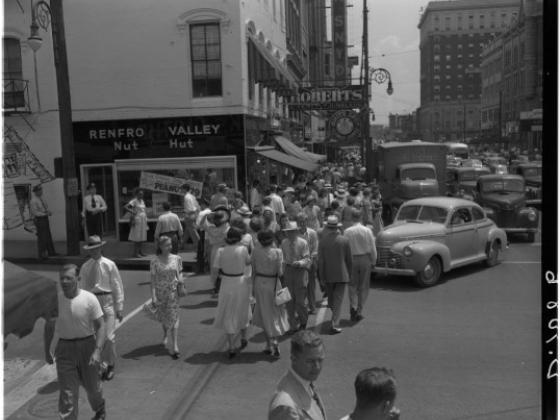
{"x": 367, "y": 159}
{"x": 71, "y": 191}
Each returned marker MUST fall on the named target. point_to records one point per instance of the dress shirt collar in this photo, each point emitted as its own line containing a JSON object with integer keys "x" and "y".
{"x": 305, "y": 383}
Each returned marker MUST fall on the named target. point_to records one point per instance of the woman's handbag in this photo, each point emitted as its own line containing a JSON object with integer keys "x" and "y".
{"x": 282, "y": 295}
{"x": 181, "y": 289}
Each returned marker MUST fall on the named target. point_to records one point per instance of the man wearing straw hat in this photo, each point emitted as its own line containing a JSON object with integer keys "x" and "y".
{"x": 297, "y": 261}
{"x": 102, "y": 278}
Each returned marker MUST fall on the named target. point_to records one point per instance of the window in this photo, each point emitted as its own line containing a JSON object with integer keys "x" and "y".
{"x": 461, "y": 216}
{"x": 478, "y": 214}
{"x": 436, "y": 58}
{"x": 206, "y": 59}
{"x": 459, "y": 55}
{"x": 447, "y": 77}
{"x": 448, "y": 57}
{"x": 12, "y": 76}
{"x": 436, "y": 67}
{"x": 459, "y": 96}
{"x": 436, "y": 78}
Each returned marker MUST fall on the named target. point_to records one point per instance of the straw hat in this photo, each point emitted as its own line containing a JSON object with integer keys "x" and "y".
{"x": 332, "y": 222}
{"x": 93, "y": 242}
{"x": 290, "y": 226}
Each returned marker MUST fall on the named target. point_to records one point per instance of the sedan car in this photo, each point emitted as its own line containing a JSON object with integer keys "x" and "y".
{"x": 433, "y": 235}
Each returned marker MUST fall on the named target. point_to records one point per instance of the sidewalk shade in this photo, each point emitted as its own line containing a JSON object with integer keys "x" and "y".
{"x": 291, "y": 149}
{"x": 27, "y": 297}
{"x": 288, "y": 160}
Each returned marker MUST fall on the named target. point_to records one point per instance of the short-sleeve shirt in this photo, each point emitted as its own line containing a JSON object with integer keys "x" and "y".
{"x": 76, "y": 316}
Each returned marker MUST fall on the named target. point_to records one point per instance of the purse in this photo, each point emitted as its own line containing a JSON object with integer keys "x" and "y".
{"x": 281, "y": 296}
{"x": 181, "y": 289}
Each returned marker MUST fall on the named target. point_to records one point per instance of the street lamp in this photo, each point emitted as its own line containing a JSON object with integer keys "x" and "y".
{"x": 379, "y": 76}
{"x": 43, "y": 15}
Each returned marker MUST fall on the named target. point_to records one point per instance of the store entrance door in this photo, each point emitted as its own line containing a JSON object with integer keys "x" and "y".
{"x": 103, "y": 175}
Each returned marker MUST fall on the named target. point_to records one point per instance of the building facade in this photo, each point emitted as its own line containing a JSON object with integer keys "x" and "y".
{"x": 160, "y": 96}
{"x": 452, "y": 35}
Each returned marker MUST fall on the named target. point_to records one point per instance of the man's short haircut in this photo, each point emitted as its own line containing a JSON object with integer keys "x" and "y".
{"x": 356, "y": 215}
{"x": 166, "y": 206}
{"x": 302, "y": 216}
{"x": 266, "y": 201}
{"x": 68, "y": 267}
{"x": 304, "y": 339}
{"x": 374, "y": 386}
{"x": 186, "y": 187}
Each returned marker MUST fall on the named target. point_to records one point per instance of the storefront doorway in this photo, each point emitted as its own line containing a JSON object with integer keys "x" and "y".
{"x": 103, "y": 175}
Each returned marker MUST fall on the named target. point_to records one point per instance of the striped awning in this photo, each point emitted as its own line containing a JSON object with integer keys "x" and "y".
{"x": 290, "y": 148}
{"x": 286, "y": 159}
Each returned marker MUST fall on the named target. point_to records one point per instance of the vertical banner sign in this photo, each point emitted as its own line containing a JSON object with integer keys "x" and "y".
{"x": 340, "y": 43}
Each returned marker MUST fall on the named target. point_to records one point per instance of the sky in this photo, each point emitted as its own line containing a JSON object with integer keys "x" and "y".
{"x": 394, "y": 45}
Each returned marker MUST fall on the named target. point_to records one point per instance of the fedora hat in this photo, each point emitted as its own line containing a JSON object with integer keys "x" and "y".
{"x": 289, "y": 190}
{"x": 332, "y": 222}
{"x": 290, "y": 226}
{"x": 94, "y": 241}
{"x": 244, "y": 211}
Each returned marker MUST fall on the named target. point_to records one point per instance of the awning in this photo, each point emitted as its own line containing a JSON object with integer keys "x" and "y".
{"x": 291, "y": 149}
{"x": 289, "y": 160}
{"x": 27, "y": 297}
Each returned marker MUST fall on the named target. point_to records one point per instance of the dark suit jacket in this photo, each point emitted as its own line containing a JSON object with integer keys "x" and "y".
{"x": 335, "y": 257}
{"x": 292, "y": 402}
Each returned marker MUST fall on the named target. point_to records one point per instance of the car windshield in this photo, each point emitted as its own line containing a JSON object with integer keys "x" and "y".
{"x": 532, "y": 171}
{"x": 496, "y": 161}
{"x": 472, "y": 163}
{"x": 505, "y": 185}
{"x": 418, "y": 174}
{"x": 423, "y": 213}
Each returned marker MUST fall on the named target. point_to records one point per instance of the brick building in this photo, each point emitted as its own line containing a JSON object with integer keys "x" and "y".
{"x": 452, "y": 35}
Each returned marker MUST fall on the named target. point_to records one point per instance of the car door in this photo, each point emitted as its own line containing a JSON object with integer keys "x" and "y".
{"x": 462, "y": 234}
{"x": 483, "y": 225}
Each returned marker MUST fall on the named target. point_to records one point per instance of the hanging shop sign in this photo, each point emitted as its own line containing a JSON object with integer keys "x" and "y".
{"x": 167, "y": 184}
{"x": 345, "y": 125}
{"x": 339, "y": 41}
{"x": 327, "y": 98}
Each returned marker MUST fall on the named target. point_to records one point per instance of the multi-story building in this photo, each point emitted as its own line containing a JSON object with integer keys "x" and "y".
{"x": 512, "y": 81}
{"x": 160, "y": 95}
{"x": 452, "y": 34}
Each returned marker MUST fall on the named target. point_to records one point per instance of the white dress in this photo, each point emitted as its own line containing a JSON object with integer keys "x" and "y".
{"x": 138, "y": 232}
{"x": 233, "y": 312}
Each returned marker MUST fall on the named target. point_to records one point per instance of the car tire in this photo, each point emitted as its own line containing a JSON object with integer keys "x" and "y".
{"x": 531, "y": 237}
{"x": 431, "y": 273}
{"x": 493, "y": 254}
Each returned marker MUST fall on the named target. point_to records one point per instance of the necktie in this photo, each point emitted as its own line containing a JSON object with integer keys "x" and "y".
{"x": 92, "y": 202}
{"x": 316, "y": 398}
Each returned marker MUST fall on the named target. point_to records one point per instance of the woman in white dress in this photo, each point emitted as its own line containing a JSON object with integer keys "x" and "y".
{"x": 267, "y": 267}
{"x": 233, "y": 312}
{"x": 138, "y": 222}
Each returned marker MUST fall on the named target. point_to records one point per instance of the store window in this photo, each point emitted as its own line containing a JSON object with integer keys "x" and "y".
{"x": 206, "y": 59}
{"x": 161, "y": 181}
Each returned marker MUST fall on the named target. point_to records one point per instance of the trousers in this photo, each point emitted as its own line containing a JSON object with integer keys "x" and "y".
{"x": 335, "y": 293}
{"x": 358, "y": 288}
{"x": 311, "y": 285}
{"x": 73, "y": 369}
{"x": 295, "y": 279}
{"x": 109, "y": 353}
{"x": 94, "y": 224}
{"x": 44, "y": 237}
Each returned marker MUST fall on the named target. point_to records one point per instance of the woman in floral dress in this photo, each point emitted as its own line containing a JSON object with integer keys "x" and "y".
{"x": 165, "y": 275}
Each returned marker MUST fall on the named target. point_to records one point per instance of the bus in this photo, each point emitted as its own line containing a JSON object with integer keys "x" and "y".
{"x": 460, "y": 150}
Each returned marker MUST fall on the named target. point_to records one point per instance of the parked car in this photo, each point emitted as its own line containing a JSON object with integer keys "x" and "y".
{"x": 433, "y": 235}
{"x": 496, "y": 164}
{"x": 532, "y": 173}
{"x": 461, "y": 182}
{"x": 472, "y": 163}
{"x": 504, "y": 200}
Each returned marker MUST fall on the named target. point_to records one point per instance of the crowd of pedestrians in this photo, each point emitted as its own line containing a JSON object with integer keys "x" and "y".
{"x": 317, "y": 233}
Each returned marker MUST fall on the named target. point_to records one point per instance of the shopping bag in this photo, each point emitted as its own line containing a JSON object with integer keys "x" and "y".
{"x": 282, "y": 296}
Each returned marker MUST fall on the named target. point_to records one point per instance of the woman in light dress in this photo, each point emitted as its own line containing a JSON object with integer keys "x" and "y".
{"x": 233, "y": 312}
{"x": 138, "y": 222}
{"x": 267, "y": 267}
{"x": 165, "y": 275}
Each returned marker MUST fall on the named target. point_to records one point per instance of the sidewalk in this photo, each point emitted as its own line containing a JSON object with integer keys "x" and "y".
{"x": 25, "y": 252}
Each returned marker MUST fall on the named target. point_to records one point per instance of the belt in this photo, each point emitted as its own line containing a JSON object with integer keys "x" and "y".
{"x": 38, "y": 217}
{"x": 77, "y": 339}
{"x": 231, "y": 275}
{"x": 272, "y": 276}
{"x": 102, "y": 293}
{"x": 360, "y": 255}
{"x": 174, "y": 232}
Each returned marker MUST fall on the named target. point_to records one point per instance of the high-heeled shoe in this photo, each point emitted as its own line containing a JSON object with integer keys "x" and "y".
{"x": 175, "y": 355}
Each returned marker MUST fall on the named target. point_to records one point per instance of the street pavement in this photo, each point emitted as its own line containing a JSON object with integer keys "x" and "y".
{"x": 468, "y": 348}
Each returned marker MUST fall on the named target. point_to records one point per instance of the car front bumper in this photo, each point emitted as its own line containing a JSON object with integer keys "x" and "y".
{"x": 394, "y": 271}
{"x": 520, "y": 230}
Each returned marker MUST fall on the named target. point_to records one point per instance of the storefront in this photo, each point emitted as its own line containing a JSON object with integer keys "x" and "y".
{"x": 158, "y": 155}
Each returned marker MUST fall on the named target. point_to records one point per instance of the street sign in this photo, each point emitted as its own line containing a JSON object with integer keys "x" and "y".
{"x": 328, "y": 98}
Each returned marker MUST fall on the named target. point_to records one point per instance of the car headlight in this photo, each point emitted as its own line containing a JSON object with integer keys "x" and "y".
{"x": 407, "y": 251}
{"x": 532, "y": 216}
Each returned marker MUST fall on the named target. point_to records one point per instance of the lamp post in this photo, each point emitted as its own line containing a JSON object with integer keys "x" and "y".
{"x": 43, "y": 15}
{"x": 379, "y": 76}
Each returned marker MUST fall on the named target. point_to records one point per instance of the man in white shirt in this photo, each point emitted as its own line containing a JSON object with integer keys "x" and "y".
{"x": 295, "y": 396}
{"x": 310, "y": 235}
{"x": 93, "y": 207}
{"x": 364, "y": 256}
{"x": 191, "y": 211}
{"x": 80, "y": 334}
{"x": 41, "y": 213}
{"x": 276, "y": 202}
{"x": 169, "y": 224}
{"x": 255, "y": 198}
{"x": 203, "y": 249}
{"x": 102, "y": 278}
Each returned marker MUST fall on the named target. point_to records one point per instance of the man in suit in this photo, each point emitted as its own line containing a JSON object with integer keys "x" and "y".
{"x": 93, "y": 208}
{"x": 335, "y": 266}
{"x": 295, "y": 397}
